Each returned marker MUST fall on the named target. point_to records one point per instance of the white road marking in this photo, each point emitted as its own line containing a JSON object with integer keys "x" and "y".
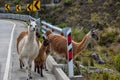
{"x": 6, "y": 73}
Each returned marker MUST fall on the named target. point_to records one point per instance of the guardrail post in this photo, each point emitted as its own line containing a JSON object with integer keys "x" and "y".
{"x": 67, "y": 33}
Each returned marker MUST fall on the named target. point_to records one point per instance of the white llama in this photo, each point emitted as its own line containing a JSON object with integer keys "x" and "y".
{"x": 28, "y": 47}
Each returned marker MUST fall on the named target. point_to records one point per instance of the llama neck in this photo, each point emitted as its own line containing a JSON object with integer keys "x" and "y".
{"x": 84, "y": 43}
{"x": 31, "y": 36}
{"x": 42, "y": 50}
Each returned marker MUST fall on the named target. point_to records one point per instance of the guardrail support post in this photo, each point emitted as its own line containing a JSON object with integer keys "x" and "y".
{"x": 67, "y": 34}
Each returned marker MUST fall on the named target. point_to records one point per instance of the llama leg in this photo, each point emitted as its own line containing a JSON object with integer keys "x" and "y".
{"x": 29, "y": 69}
{"x": 20, "y": 63}
{"x": 25, "y": 61}
{"x": 45, "y": 63}
{"x": 77, "y": 66}
{"x": 38, "y": 69}
{"x": 41, "y": 70}
{"x": 35, "y": 67}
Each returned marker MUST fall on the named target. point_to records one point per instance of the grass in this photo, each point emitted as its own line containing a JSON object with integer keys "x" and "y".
{"x": 102, "y": 51}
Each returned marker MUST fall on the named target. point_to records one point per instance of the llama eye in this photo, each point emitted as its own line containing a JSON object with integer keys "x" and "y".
{"x": 30, "y": 25}
{"x": 93, "y": 35}
{"x": 36, "y": 26}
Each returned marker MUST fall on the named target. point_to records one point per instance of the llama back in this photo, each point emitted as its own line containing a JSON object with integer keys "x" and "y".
{"x": 20, "y": 37}
{"x": 58, "y": 43}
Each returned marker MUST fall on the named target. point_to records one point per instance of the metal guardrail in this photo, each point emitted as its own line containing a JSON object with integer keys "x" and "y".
{"x": 15, "y": 16}
{"x": 45, "y": 25}
{"x": 48, "y": 26}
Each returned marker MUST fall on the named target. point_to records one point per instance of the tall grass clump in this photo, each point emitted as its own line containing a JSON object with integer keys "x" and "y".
{"x": 117, "y": 62}
{"x": 108, "y": 35}
{"x": 67, "y": 2}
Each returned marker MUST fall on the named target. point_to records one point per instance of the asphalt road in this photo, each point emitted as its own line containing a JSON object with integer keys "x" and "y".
{"x": 9, "y": 64}
{"x": 5, "y": 35}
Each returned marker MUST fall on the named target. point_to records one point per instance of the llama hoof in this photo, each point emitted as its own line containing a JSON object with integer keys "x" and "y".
{"x": 46, "y": 69}
{"x": 42, "y": 75}
{"x": 30, "y": 77}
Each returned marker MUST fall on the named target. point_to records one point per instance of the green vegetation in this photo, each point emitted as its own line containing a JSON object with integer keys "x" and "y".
{"x": 117, "y": 62}
{"x": 104, "y": 76}
{"x": 67, "y": 2}
{"x": 62, "y": 25}
{"x": 91, "y": 62}
{"x": 90, "y": 1}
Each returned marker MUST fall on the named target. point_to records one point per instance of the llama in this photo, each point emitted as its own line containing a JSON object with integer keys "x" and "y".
{"x": 28, "y": 47}
{"x": 22, "y": 34}
{"x": 40, "y": 59}
{"x": 58, "y": 44}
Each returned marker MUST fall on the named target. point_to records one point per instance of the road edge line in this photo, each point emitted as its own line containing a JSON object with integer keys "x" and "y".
{"x": 6, "y": 73}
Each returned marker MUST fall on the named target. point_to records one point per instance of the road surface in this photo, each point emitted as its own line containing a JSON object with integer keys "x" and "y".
{"x": 9, "y": 64}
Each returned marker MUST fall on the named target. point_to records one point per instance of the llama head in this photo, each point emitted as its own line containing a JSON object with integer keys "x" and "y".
{"x": 93, "y": 34}
{"x": 45, "y": 41}
{"x": 33, "y": 25}
{"x": 48, "y": 32}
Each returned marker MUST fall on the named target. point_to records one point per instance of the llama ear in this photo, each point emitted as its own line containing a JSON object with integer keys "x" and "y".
{"x": 43, "y": 37}
{"x": 31, "y": 20}
{"x": 37, "y": 21}
{"x": 94, "y": 30}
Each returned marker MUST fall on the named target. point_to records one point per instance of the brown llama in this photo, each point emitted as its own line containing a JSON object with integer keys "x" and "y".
{"x": 40, "y": 59}
{"x": 58, "y": 44}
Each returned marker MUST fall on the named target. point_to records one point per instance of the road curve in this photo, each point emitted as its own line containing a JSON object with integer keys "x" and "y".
{"x": 9, "y": 64}
{"x": 6, "y": 36}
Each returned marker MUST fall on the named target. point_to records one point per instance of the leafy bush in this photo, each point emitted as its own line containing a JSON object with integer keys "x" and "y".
{"x": 117, "y": 63}
{"x": 107, "y": 36}
{"x": 90, "y": 1}
{"x": 118, "y": 12}
{"x": 91, "y": 62}
{"x": 114, "y": 77}
{"x": 77, "y": 34}
{"x": 95, "y": 17}
{"x": 117, "y": 4}
{"x": 118, "y": 38}
{"x": 106, "y": 4}
{"x": 62, "y": 25}
{"x": 85, "y": 62}
{"x": 67, "y": 2}
{"x": 105, "y": 76}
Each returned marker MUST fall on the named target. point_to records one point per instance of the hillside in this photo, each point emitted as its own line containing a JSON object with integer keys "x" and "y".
{"x": 87, "y": 14}
{"x": 83, "y": 13}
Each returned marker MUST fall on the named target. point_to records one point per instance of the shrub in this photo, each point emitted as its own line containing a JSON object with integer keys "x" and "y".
{"x": 67, "y": 2}
{"x": 106, "y": 4}
{"x": 105, "y": 76}
{"x": 117, "y": 62}
{"x": 77, "y": 34}
{"x": 118, "y": 38}
{"x": 117, "y": 4}
{"x": 62, "y": 25}
{"x": 91, "y": 62}
{"x": 118, "y": 12}
{"x": 95, "y": 17}
{"x": 108, "y": 36}
{"x": 90, "y": 1}
{"x": 85, "y": 62}
{"x": 114, "y": 77}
